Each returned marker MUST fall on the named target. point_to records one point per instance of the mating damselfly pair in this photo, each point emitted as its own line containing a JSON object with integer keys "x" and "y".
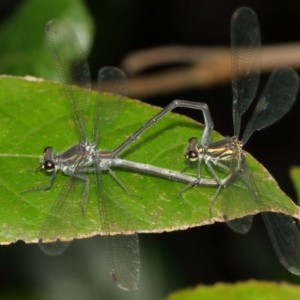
{"x": 226, "y": 155}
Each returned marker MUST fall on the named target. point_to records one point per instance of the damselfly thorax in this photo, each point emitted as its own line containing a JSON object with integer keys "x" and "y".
{"x": 226, "y": 154}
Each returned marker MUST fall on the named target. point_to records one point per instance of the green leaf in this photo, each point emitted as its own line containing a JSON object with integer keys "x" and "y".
{"x": 245, "y": 290}
{"x": 23, "y": 51}
{"x": 35, "y": 114}
{"x": 295, "y": 175}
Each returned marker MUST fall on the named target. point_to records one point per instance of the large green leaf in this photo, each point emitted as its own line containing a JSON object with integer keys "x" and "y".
{"x": 22, "y": 49}
{"x": 35, "y": 114}
{"x": 245, "y": 290}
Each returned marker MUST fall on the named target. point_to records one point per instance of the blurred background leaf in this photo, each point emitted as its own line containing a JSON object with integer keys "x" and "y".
{"x": 250, "y": 290}
{"x": 295, "y": 176}
{"x": 23, "y": 50}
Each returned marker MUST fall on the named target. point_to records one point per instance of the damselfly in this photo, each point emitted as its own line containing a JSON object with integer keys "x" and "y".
{"x": 83, "y": 158}
{"x": 227, "y": 155}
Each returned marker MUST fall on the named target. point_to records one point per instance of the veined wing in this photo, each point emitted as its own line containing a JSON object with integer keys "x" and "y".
{"x": 275, "y": 101}
{"x": 239, "y": 192}
{"x": 122, "y": 249}
{"x": 240, "y": 195}
{"x": 69, "y": 61}
{"x": 58, "y": 225}
{"x": 72, "y": 67}
{"x": 245, "y": 56}
{"x": 114, "y": 81}
{"x": 285, "y": 237}
{"x": 245, "y": 49}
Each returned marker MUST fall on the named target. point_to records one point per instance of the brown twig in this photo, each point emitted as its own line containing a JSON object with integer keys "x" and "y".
{"x": 206, "y": 67}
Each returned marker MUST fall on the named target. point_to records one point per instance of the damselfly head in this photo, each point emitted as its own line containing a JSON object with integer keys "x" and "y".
{"x": 192, "y": 151}
{"x": 47, "y": 160}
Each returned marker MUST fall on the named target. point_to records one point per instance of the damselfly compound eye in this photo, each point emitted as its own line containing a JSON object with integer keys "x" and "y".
{"x": 49, "y": 165}
{"x": 192, "y": 155}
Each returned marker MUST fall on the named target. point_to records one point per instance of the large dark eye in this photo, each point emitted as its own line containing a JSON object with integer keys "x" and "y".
{"x": 192, "y": 155}
{"x": 49, "y": 165}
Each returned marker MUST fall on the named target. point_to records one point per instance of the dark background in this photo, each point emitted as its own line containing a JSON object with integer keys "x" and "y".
{"x": 208, "y": 254}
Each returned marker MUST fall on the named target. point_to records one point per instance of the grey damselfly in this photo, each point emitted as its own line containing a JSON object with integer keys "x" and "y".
{"x": 83, "y": 158}
{"x": 227, "y": 155}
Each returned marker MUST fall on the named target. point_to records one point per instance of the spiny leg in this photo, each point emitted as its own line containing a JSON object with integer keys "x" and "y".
{"x": 43, "y": 188}
{"x": 119, "y": 182}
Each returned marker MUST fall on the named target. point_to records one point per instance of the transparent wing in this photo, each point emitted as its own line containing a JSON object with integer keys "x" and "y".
{"x": 285, "y": 237}
{"x": 110, "y": 80}
{"x": 241, "y": 225}
{"x": 276, "y": 100}
{"x": 123, "y": 250}
{"x": 245, "y": 49}
{"x": 57, "y": 225}
{"x": 71, "y": 65}
{"x": 241, "y": 193}
{"x": 283, "y": 230}
{"x": 124, "y": 259}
